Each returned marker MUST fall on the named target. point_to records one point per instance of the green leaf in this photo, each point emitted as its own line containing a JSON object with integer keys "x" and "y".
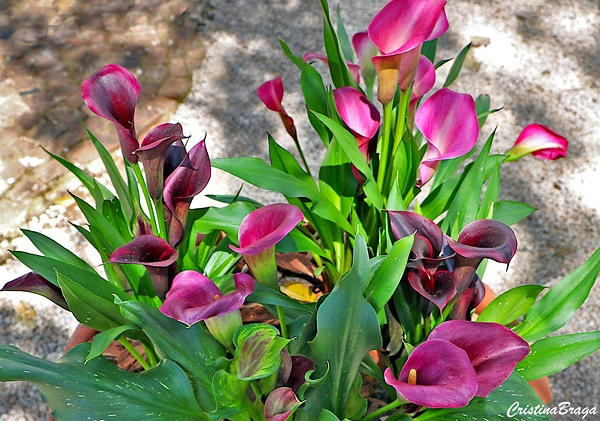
{"x": 456, "y": 66}
{"x": 258, "y": 351}
{"x": 230, "y": 394}
{"x": 503, "y": 402}
{"x": 510, "y": 305}
{"x": 482, "y": 107}
{"x": 283, "y": 160}
{"x": 119, "y": 184}
{"x": 97, "y": 390}
{"x": 428, "y": 49}
{"x": 109, "y": 234}
{"x": 551, "y": 355}
{"x": 191, "y": 347}
{"x": 348, "y": 143}
{"x": 511, "y": 212}
{"x": 341, "y": 343}
{"x": 226, "y": 219}
{"x": 54, "y": 250}
{"x": 384, "y": 282}
{"x": 297, "y": 60}
{"x": 336, "y": 180}
{"x": 557, "y": 307}
{"x": 343, "y": 37}
{"x": 491, "y": 193}
{"x": 92, "y": 301}
{"x": 258, "y": 173}
{"x": 269, "y": 297}
{"x": 103, "y": 340}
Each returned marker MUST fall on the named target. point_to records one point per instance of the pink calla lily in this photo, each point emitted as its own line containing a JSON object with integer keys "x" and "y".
{"x": 154, "y": 253}
{"x": 352, "y": 67}
{"x": 448, "y": 121}
{"x": 437, "y": 374}
{"x": 365, "y": 51}
{"x": 280, "y": 403}
{"x": 182, "y": 185}
{"x": 359, "y": 114}
{"x": 424, "y": 78}
{"x": 112, "y": 93}
{"x": 539, "y": 141}
{"x": 493, "y": 349}
{"x": 153, "y": 151}
{"x": 402, "y": 25}
{"x": 259, "y": 232}
{"x": 271, "y": 94}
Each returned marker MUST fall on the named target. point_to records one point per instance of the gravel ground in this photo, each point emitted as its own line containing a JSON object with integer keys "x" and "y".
{"x": 538, "y": 60}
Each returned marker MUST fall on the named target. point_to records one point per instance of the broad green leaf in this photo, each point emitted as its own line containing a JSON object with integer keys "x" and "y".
{"x": 110, "y": 235}
{"x": 491, "y": 193}
{"x": 226, "y": 219}
{"x": 230, "y": 393}
{"x": 557, "y": 307}
{"x": 511, "y": 212}
{"x": 345, "y": 43}
{"x": 384, "y": 282}
{"x": 92, "y": 302}
{"x": 103, "y": 340}
{"x": 119, "y": 184}
{"x": 297, "y": 60}
{"x": 456, "y": 66}
{"x": 428, "y": 49}
{"x": 258, "y": 173}
{"x": 258, "y": 351}
{"x": 269, "y": 297}
{"x": 504, "y": 402}
{"x": 341, "y": 343}
{"x": 54, "y": 250}
{"x": 348, "y": 143}
{"x": 551, "y": 355}
{"x": 283, "y": 160}
{"x": 510, "y": 305}
{"x": 99, "y": 390}
{"x": 482, "y": 107}
{"x": 191, "y": 347}
{"x": 336, "y": 180}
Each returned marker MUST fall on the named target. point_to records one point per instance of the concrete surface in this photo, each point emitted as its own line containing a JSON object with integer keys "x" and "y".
{"x": 539, "y": 60}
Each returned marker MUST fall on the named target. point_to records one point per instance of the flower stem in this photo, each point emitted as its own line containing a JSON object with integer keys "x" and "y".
{"x": 282, "y": 323}
{"x": 382, "y": 410}
{"x": 384, "y": 142}
{"x": 147, "y": 198}
{"x": 134, "y": 352}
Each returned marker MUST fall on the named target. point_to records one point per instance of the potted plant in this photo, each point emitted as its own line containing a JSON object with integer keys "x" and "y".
{"x": 395, "y": 229}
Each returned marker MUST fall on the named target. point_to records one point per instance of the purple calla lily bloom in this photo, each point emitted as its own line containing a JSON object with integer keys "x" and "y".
{"x": 359, "y": 114}
{"x": 182, "y": 185}
{"x": 194, "y": 298}
{"x": 539, "y": 141}
{"x": 280, "y": 403}
{"x": 484, "y": 238}
{"x": 112, "y": 93}
{"x": 439, "y": 287}
{"x": 437, "y": 374}
{"x": 259, "y": 232}
{"x": 153, "y": 151}
{"x": 271, "y": 94}
{"x": 32, "y": 282}
{"x": 493, "y": 349}
{"x": 154, "y": 253}
{"x": 448, "y": 121}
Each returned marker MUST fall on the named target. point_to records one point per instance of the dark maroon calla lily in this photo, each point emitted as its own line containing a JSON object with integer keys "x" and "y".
{"x": 32, "y": 282}
{"x": 359, "y": 114}
{"x": 404, "y": 223}
{"x": 437, "y": 374}
{"x": 539, "y": 141}
{"x": 448, "y": 121}
{"x": 280, "y": 403}
{"x": 154, "y": 253}
{"x": 182, "y": 185}
{"x": 259, "y": 232}
{"x": 271, "y": 94}
{"x": 468, "y": 300}
{"x": 484, "y": 238}
{"x": 112, "y": 93}
{"x": 493, "y": 349}
{"x": 153, "y": 152}
{"x": 193, "y": 298}
{"x": 439, "y": 287}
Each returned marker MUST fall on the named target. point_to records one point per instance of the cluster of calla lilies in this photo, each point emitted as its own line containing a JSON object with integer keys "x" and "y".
{"x": 397, "y": 291}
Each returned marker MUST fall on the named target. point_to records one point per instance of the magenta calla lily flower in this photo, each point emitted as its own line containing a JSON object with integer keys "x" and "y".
{"x": 359, "y": 114}
{"x": 352, "y": 67}
{"x": 259, "y": 232}
{"x": 280, "y": 403}
{"x": 271, "y": 94}
{"x": 402, "y": 25}
{"x": 437, "y": 374}
{"x": 153, "y": 152}
{"x": 493, "y": 349}
{"x": 154, "y": 253}
{"x": 194, "y": 298}
{"x": 539, "y": 141}
{"x": 484, "y": 238}
{"x": 439, "y": 287}
{"x": 424, "y": 78}
{"x": 112, "y": 93}
{"x": 448, "y": 121}
{"x": 182, "y": 185}
{"x": 32, "y": 282}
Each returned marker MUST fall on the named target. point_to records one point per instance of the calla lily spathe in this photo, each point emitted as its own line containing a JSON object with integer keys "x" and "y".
{"x": 112, "y": 93}
{"x": 271, "y": 94}
{"x": 448, "y": 121}
{"x": 539, "y": 141}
